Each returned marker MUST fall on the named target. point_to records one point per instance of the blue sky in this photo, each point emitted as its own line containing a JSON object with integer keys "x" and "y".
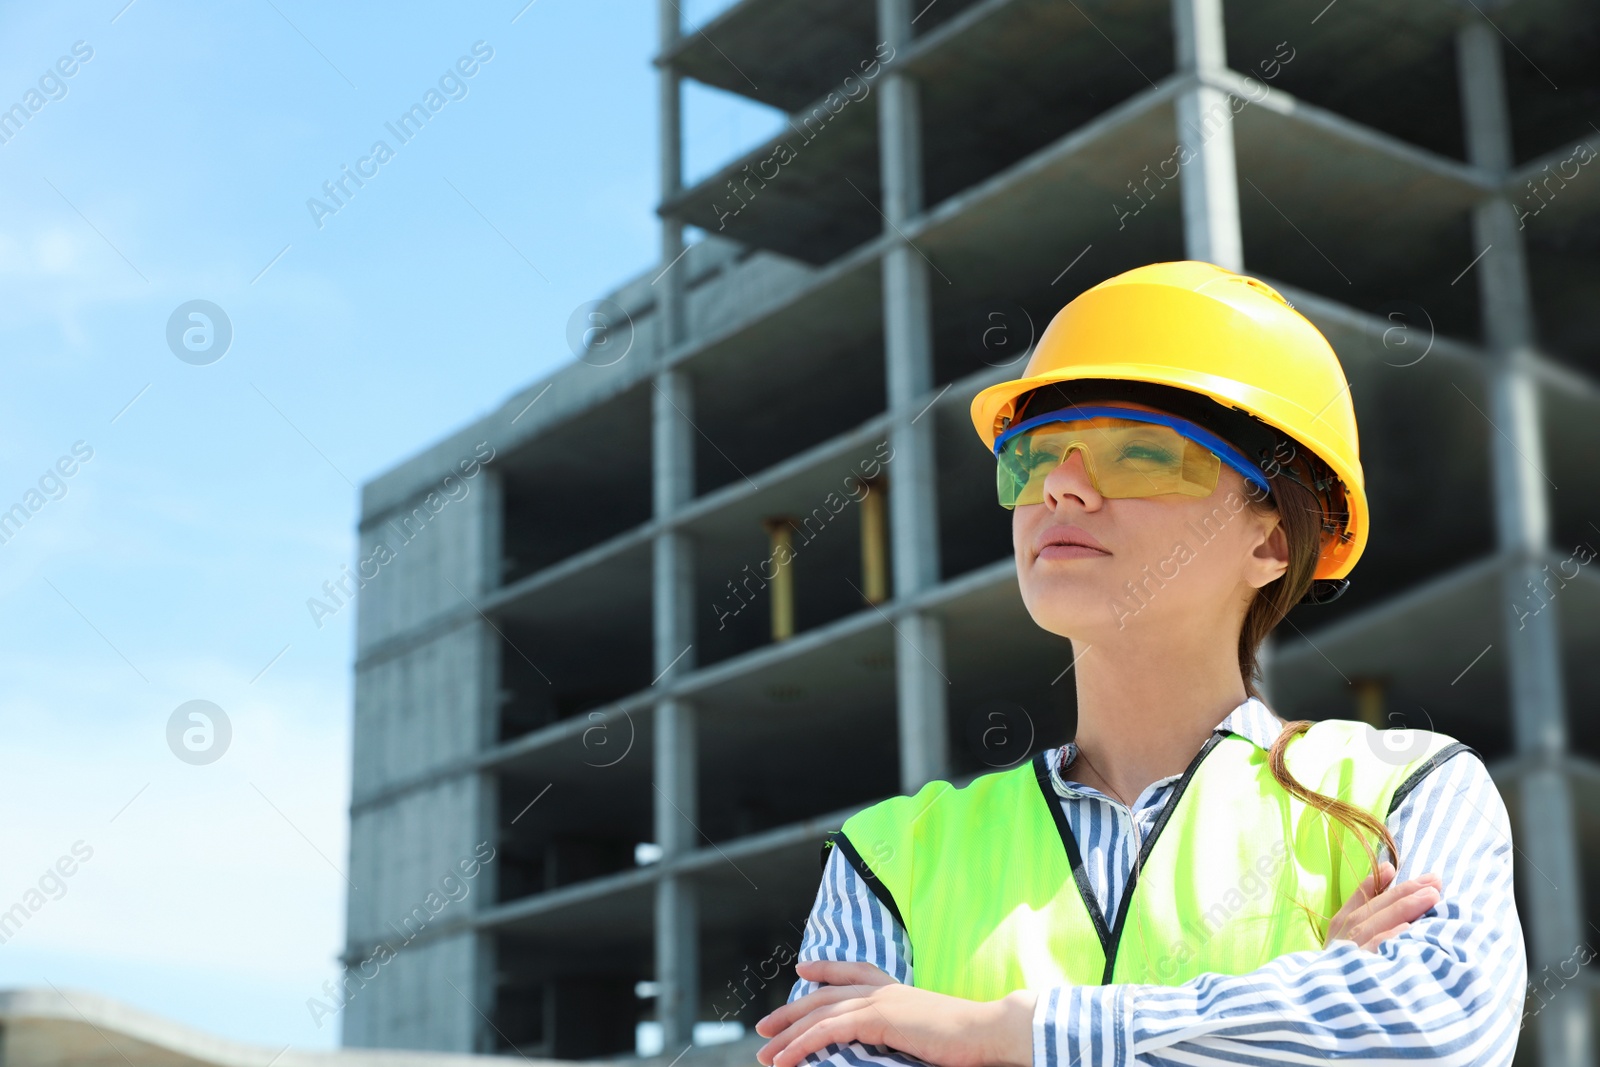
{"x": 173, "y": 564}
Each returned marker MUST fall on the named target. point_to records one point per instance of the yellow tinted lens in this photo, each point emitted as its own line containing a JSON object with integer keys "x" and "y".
{"x": 1123, "y": 458}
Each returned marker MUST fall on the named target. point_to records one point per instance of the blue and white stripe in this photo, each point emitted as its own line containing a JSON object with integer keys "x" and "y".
{"x": 1448, "y": 990}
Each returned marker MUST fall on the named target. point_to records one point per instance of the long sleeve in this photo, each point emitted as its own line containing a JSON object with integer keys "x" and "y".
{"x": 848, "y": 923}
{"x": 1447, "y": 990}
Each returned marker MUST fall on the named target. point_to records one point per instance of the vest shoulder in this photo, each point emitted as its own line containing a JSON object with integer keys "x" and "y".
{"x": 939, "y": 799}
{"x": 954, "y": 828}
{"x": 1332, "y": 742}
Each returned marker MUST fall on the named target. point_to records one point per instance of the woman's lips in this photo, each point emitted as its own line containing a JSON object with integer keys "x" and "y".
{"x": 1070, "y": 552}
{"x": 1068, "y": 541}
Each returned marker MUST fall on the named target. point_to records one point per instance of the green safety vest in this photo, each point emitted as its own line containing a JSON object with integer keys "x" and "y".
{"x": 988, "y": 881}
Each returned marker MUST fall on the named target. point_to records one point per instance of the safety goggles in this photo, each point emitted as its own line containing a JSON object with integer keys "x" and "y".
{"x": 1127, "y": 452}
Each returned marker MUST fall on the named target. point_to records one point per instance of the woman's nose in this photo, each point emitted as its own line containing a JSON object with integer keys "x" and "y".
{"x": 1071, "y": 479}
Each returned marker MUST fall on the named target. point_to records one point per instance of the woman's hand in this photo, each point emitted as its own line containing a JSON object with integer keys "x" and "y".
{"x": 859, "y": 1002}
{"x": 1370, "y": 919}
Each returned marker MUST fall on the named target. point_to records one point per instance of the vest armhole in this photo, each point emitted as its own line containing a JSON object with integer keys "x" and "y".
{"x": 838, "y": 840}
{"x": 1414, "y": 779}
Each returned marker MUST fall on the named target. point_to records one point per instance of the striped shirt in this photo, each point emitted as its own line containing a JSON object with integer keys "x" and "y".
{"x": 1447, "y": 990}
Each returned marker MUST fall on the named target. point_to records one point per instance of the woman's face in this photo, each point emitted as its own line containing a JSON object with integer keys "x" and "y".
{"x": 1157, "y": 564}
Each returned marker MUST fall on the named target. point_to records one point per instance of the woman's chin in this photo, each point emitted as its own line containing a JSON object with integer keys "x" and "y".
{"x": 1071, "y": 583}
{"x": 1068, "y": 609}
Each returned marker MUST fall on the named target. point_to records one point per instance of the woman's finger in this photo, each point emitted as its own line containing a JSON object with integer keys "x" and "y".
{"x": 1364, "y": 913}
{"x": 785, "y": 1040}
{"x": 1363, "y": 893}
{"x": 781, "y": 1018}
{"x": 1404, "y": 907}
{"x": 1396, "y": 904}
{"x": 843, "y": 972}
{"x": 854, "y": 1024}
{"x": 1367, "y": 890}
{"x": 1396, "y": 894}
{"x": 837, "y": 979}
{"x": 1346, "y": 915}
{"x": 1384, "y": 876}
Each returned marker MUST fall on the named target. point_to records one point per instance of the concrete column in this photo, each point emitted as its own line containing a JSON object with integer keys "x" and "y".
{"x": 677, "y": 918}
{"x": 669, "y": 87}
{"x": 677, "y": 931}
{"x": 672, "y": 446}
{"x": 488, "y": 500}
{"x": 922, "y": 689}
{"x": 677, "y": 926}
{"x": 1209, "y": 182}
{"x": 1547, "y": 836}
{"x": 490, "y": 496}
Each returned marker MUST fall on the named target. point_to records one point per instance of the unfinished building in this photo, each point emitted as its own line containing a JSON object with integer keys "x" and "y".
{"x": 576, "y": 652}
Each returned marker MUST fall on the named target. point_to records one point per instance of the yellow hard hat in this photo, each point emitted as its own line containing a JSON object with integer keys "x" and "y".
{"x": 1199, "y": 327}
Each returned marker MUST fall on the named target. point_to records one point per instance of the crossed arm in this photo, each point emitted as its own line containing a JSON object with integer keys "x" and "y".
{"x": 1445, "y": 989}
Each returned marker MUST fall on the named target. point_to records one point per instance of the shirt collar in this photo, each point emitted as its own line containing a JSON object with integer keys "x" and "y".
{"x": 1252, "y": 720}
{"x": 1255, "y": 722}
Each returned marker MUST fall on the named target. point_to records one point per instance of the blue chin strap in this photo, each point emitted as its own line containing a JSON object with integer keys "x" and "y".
{"x": 1195, "y": 432}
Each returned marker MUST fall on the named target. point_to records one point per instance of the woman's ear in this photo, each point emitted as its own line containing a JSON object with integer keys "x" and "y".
{"x": 1269, "y": 557}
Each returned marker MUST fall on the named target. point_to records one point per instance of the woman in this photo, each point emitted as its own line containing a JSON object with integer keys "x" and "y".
{"x": 1180, "y": 457}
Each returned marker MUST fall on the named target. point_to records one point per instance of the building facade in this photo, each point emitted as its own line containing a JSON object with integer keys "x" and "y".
{"x": 630, "y": 645}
